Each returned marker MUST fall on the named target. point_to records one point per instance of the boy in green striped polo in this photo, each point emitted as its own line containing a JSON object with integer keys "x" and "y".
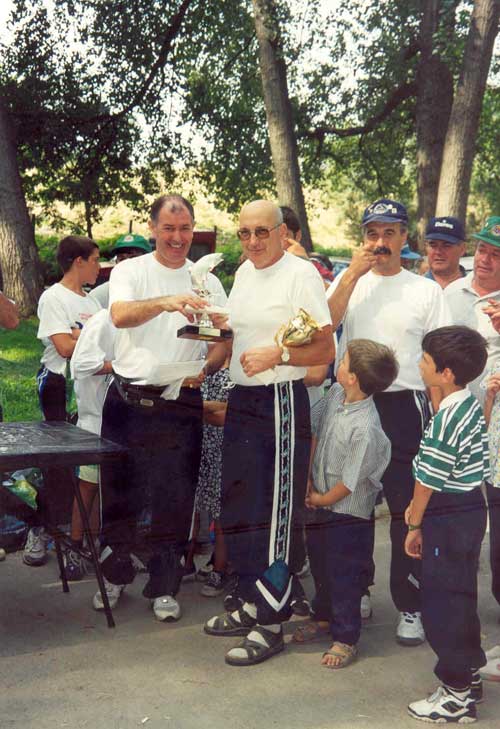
{"x": 446, "y": 522}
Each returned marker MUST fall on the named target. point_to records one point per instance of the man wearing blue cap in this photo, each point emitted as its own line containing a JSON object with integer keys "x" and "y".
{"x": 378, "y": 299}
{"x": 444, "y": 241}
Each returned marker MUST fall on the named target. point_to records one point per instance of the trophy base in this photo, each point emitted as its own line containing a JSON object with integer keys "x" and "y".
{"x": 207, "y": 334}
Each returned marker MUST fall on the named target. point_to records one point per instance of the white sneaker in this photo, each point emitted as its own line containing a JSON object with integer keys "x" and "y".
{"x": 491, "y": 671}
{"x": 444, "y": 706}
{"x": 366, "y": 607}
{"x": 112, "y": 591}
{"x": 166, "y": 608}
{"x": 410, "y": 630}
{"x": 35, "y": 549}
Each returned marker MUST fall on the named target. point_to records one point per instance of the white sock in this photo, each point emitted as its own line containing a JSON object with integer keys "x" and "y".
{"x": 461, "y": 694}
{"x": 250, "y": 608}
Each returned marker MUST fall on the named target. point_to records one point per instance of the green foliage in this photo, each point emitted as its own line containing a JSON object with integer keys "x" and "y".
{"x": 19, "y": 363}
{"x": 231, "y": 248}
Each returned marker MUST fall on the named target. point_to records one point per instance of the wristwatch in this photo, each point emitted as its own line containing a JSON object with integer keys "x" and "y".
{"x": 285, "y": 354}
{"x": 414, "y": 527}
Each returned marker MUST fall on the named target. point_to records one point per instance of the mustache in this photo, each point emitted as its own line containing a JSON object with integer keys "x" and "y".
{"x": 382, "y": 251}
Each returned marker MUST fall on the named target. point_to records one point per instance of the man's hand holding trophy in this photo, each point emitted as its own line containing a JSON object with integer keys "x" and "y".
{"x": 260, "y": 361}
{"x": 208, "y": 322}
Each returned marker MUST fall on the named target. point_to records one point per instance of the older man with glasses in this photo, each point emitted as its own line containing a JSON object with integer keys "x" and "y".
{"x": 267, "y": 433}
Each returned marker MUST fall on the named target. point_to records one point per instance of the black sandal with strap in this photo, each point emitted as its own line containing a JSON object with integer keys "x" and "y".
{"x": 226, "y": 625}
{"x": 257, "y": 652}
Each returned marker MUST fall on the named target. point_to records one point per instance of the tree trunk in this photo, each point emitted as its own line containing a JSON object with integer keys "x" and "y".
{"x": 459, "y": 148}
{"x": 88, "y": 218}
{"x": 279, "y": 115}
{"x": 433, "y": 107}
{"x": 19, "y": 262}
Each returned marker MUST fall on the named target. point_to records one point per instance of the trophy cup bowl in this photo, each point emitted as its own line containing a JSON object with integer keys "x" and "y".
{"x": 202, "y": 327}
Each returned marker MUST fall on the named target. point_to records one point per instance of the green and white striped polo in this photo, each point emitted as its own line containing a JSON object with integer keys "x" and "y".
{"x": 453, "y": 454}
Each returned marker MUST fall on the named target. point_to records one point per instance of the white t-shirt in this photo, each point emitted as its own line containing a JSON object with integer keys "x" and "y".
{"x": 466, "y": 307}
{"x": 138, "y": 350}
{"x": 396, "y": 311}
{"x": 101, "y": 294}
{"x": 262, "y": 300}
{"x": 94, "y": 347}
{"x": 59, "y": 311}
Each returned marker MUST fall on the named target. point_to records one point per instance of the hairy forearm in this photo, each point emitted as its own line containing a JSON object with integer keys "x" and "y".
{"x": 339, "y": 300}
{"x": 134, "y": 313}
{"x": 320, "y": 351}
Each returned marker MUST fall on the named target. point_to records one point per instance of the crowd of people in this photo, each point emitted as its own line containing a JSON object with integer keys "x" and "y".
{"x": 243, "y": 428}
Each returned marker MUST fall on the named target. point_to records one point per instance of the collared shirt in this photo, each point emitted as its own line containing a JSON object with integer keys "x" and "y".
{"x": 430, "y": 275}
{"x": 454, "y": 454}
{"x": 352, "y": 449}
{"x": 466, "y": 307}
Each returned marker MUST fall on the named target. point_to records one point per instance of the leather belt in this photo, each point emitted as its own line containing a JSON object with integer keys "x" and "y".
{"x": 145, "y": 395}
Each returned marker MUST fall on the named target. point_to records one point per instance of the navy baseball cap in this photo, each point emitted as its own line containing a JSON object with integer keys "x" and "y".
{"x": 445, "y": 228}
{"x": 385, "y": 211}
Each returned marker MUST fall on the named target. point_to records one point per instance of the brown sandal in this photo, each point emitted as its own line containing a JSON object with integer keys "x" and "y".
{"x": 346, "y": 653}
{"x": 309, "y": 632}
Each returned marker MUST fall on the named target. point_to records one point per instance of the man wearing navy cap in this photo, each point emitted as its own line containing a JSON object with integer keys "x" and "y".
{"x": 444, "y": 241}
{"x": 377, "y": 299}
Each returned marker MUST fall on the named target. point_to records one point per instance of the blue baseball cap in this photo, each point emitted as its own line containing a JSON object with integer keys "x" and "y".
{"x": 385, "y": 211}
{"x": 406, "y": 252}
{"x": 445, "y": 228}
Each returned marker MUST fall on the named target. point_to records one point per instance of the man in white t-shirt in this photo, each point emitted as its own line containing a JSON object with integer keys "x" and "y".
{"x": 377, "y": 299}
{"x": 161, "y": 430}
{"x": 63, "y": 309}
{"x": 266, "y": 446}
{"x": 473, "y": 300}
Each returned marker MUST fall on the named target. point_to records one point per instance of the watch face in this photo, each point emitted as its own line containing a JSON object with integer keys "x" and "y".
{"x": 285, "y": 355}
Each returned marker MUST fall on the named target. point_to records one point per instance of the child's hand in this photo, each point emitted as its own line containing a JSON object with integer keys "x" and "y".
{"x": 413, "y": 544}
{"x": 408, "y": 513}
{"x": 313, "y": 500}
{"x": 493, "y": 386}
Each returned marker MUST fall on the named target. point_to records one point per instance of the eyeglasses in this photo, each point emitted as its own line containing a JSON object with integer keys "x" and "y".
{"x": 260, "y": 232}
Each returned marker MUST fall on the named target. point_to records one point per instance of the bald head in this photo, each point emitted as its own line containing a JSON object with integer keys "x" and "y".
{"x": 264, "y": 208}
{"x": 262, "y": 232}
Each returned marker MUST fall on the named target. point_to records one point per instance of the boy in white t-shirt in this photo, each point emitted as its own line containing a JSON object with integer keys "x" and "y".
{"x": 63, "y": 309}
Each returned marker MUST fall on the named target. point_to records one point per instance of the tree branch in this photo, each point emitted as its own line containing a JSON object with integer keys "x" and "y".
{"x": 397, "y": 97}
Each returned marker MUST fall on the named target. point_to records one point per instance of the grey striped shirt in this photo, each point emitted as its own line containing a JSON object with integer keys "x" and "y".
{"x": 352, "y": 449}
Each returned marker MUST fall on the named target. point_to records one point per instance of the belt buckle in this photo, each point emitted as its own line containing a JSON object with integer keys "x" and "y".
{"x": 146, "y": 402}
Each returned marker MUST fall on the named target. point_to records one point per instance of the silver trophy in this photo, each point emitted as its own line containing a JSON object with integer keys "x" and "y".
{"x": 202, "y": 328}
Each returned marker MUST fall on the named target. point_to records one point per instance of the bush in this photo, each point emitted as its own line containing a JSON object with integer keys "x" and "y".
{"x": 47, "y": 249}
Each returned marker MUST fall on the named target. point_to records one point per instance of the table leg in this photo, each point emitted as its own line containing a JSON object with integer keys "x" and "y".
{"x": 60, "y": 562}
{"x": 95, "y": 558}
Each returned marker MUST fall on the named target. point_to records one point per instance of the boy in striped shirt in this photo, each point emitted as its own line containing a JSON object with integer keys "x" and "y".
{"x": 452, "y": 463}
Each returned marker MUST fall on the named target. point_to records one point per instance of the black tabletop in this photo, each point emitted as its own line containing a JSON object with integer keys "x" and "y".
{"x": 52, "y": 444}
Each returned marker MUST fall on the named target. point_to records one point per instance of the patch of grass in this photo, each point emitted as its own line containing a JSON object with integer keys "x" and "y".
{"x": 20, "y": 353}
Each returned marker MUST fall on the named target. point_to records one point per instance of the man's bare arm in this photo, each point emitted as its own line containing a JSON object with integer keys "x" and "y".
{"x": 126, "y": 314}
{"x": 321, "y": 350}
{"x": 9, "y": 316}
